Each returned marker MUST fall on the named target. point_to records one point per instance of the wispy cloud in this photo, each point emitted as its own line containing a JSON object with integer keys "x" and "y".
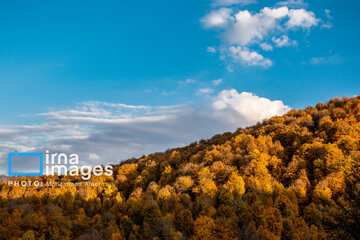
{"x": 266, "y": 46}
{"x": 188, "y": 81}
{"x": 217, "y": 3}
{"x": 328, "y": 23}
{"x": 211, "y": 49}
{"x": 203, "y": 91}
{"x": 293, "y": 3}
{"x": 103, "y": 132}
{"x": 329, "y": 60}
{"x": 217, "y": 82}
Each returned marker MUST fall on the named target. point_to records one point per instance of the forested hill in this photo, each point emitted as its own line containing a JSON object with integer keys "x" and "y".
{"x": 290, "y": 177}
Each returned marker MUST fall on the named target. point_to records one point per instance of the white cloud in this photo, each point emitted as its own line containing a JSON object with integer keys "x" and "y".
{"x": 276, "y": 13}
{"x": 328, "y": 13}
{"x": 248, "y": 28}
{"x": 217, "y": 82}
{"x": 248, "y": 57}
{"x": 329, "y": 60}
{"x": 218, "y": 3}
{"x": 188, "y": 81}
{"x": 328, "y": 23}
{"x": 252, "y": 108}
{"x": 283, "y": 41}
{"x": 211, "y": 49}
{"x": 301, "y": 18}
{"x": 217, "y": 18}
{"x": 266, "y": 46}
{"x": 244, "y": 29}
{"x": 229, "y": 69}
{"x": 83, "y": 130}
{"x": 168, "y": 93}
{"x": 317, "y": 60}
{"x": 203, "y": 91}
{"x": 293, "y": 3}
{"x": 94, "y": 157}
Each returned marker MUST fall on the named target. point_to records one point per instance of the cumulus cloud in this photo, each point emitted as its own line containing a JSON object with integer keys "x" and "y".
{"x": 248, "y": 28}
{"x": 102, "y": 132}
{"x": 217, "y": 18}
{"x": 248, "y": 57}
{"x": 301, "y": 18}
{"x": 243, "y": 29}
{"x": 246, "y": 105}
{"x": 283, "y": 41}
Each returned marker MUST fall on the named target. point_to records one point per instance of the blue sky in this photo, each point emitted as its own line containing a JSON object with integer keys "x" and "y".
{"x": 56, "y": 55}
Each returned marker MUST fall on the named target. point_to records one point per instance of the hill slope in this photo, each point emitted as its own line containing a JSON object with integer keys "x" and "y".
{"x": 291, "y": 177}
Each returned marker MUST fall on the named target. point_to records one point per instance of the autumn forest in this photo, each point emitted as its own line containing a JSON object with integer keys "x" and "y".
{"x": 295, "y": 176}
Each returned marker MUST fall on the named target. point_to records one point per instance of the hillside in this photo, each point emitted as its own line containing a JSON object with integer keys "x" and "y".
{"x": 291, "y": 177}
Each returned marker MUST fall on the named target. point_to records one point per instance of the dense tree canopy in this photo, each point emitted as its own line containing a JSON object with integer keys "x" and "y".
{"x": 291, "y": 177}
